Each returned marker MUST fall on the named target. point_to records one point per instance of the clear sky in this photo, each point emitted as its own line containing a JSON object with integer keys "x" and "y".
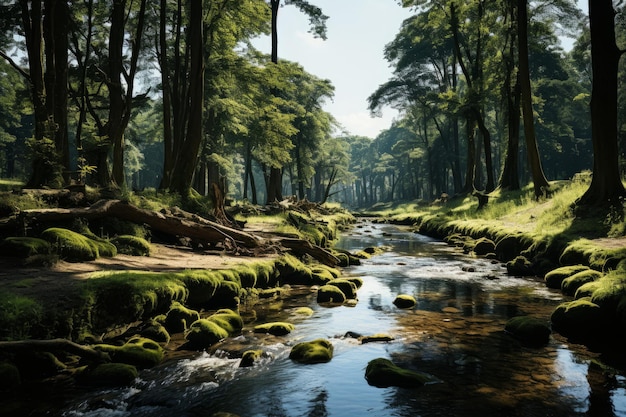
{"x": 352, "y": 57}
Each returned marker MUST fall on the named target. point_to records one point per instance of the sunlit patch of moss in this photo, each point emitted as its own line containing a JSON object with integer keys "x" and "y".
{"x": 304, "y": 312}
{"x": 70, "y": 245}
{"x": 348, "y": 288}
{"x": 202, "y": 285}
{"x": 138, "y": 351}
{"x": 23, "y": 247}
{"x": 571, "y": 284}
{"x": 580, "y": 320}
{"x": 228, "y": 320}
{"x": 315, "y": 351}
{"x": 611, "y": 289}
{"x": 250, "y": 357}
{"x": 275, "y": 328}
{"x": 132, "y": 245}
{"x": 588, "y": 252}
{"x": 156, "y": 331}
{"x": 405, "y": 301}
{"x": 204, "y": 333}
{"x": 555, "y": 278}
{"x": 330, "y": 294}
{"x": 293, "y": 271}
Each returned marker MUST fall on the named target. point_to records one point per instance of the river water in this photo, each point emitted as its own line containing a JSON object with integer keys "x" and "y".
{"x": 455, "y": 333}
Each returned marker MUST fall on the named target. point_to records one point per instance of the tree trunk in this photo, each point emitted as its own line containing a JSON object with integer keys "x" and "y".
{"x": 606, "y": 185}
{"x": 539, "y": 179}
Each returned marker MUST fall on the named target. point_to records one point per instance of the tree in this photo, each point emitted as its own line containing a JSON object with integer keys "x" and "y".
{"x": 318, "y": 27}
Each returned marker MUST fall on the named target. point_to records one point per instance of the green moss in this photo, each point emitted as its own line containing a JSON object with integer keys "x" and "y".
{"x": 156, "y": 331}
{"x": 179, "y": 318}
{"x": 275, "y": 328}
{"x": 610, "y": 291}
{"x": 138, "y": 351}
{"x": 588, "y": 252}
{"x": 405, "y": 301}
{"x": 529, "y": 330}
{"x": 304, "y": 311}
{"x": 23, "y": 247}
{"x": 227, "y": 295}
{"x": 587, "y": 289}
{"x": 250, "y": 357}
{"x": 293, "y": 271}
{"x": 580, "y": 320}
{"x": 358, "y": 282}
{"x": 383, "y": 373}
{"x": 330, "y": 294}
{"x": 70, "y": 245}
{"x": 348, "y": 288}
{"x": 228, "y": 320}
{"x": 484, "y": 246}
{"x": 110, "y": 375}
{"x": 247, "y": 275}
{"x": 315, "y": 351}
{"x": 132, "y": 245}
{"x": 321, "y": 275}
{"x": 520, "y": 266}
{"x": 570, "y": 285}
{"x": 554, "y": 278}
{"x": 266, "y": 275}
{"x": 204, "y": 333}
{"x": 202, "y": 286}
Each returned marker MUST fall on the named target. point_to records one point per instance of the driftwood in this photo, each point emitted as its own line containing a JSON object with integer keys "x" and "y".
{"x": 56, "y": 345}
{"x": 188, "y": 225}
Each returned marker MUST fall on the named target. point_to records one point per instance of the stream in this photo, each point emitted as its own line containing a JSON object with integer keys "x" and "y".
{"x": 455, "y": 333}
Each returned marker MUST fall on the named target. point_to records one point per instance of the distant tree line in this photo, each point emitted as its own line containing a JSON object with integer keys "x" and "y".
{"x": 172, "y": 95}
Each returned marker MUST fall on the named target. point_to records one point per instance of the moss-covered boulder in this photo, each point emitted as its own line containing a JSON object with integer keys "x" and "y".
{"x": 179, "y": 318}
{"x": 132, "y": 245}
{"x": 70, "y": 245}
{"x": 330, "y": 294}
{"x": 24, "y": 247}
{"x": 202, "y": 286}
{"x": 9, "y": 376}
{"x": 610, "y": 291}
{"x": 378, "y": 337}
{"x": 508, "y": 248}
{"x": 228, "y": 320}
{"x": 570, "y": 285}
{"x": 250, "y": 357}
{"x": 554, "y": 279}
{"x": 140, "y": 352}
{"x": 227, "y": 295}
{"x": 203, "y": 334}
{"x": 315, "y": 351}
{"x": 484, "y": 246}
{"x": 404, "y": 301}
{"x": 520, "y": 266}
{"x": 293, "y": 271}
{"x": 586, "y": 289}
{"x": 155, "y": 331}
{"x": 304, "y": 312}
{"x": 347, "y": 287}
{"x": 275, "y": 328}
{"x": 580, "y": 320}
{"x": 109, "y": 375}
{"x": 321, "y": 276}
{"x": 383, "y": 373}
{"x": 529, "y": 331}
{"x": 358, "y": 282}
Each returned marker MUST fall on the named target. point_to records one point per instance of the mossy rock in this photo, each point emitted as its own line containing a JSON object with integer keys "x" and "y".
{"x": 508, "y": 248}
{"x": 304, "y": 312}
{"x": 110, "y": 375}
{"x": 378, "y": 337}
{"x": 580, "y": 320}
{"x": 334, "y": 272}
{"x": 202, "y": 286}
{"x": 484, "y": 246}
{"x": 609, "y": 293}
{"x": 9, "y": 376}
{"x": 356, "y": 281}
{"x": 404, "y": 301}
{"x": 587, "y": 289}
{"x": 138, "y": 351}
{"x": 228, "y": 320}
{"x": 247, "y": 275}
{"x": 70, "y": 245}
{"x": 570, "y": 285}
{"x": 275, "y": 328}
{"x": 347, "y": 287}
{"x": 24, "y": 247}
{"x": 250, "y": 357}
{"x": 383, "y": 373}
{"x": 179, "y": 318}
{"x": 156, "y": 331}
{"x": 330, "y": 294}
{"x": 554, "y": 279}
{"x": 529, "y": 330}
{"x": 227, "y": 295}
{"x": 132, "y": 245}
{"x": 293, "y": 271}
{"x": 520, "y": 266}
{"x": 204, "y": 333}
{"x": 344, "y": 259}
{"x": 315, "y": 351}
{"x": 321, "y": 276}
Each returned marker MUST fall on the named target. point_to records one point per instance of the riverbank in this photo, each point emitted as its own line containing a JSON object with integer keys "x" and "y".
{"x": 543, "y": 238}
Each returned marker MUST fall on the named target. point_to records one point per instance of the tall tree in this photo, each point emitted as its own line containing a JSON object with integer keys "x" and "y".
{"x": 606, "y": 184}
{"x": 318, "y": 27}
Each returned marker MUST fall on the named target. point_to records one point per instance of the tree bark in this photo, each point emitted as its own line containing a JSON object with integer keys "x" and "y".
{"x": 539, "y": 179}
{"x": 606, "y": 185}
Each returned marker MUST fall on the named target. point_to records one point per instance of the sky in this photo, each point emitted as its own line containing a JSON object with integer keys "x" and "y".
{"x": 352, "y": 56}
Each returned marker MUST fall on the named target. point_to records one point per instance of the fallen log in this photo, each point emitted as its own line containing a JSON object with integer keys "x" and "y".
{"x": 191, "y": 226}
{"x": 56, "y": 345}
